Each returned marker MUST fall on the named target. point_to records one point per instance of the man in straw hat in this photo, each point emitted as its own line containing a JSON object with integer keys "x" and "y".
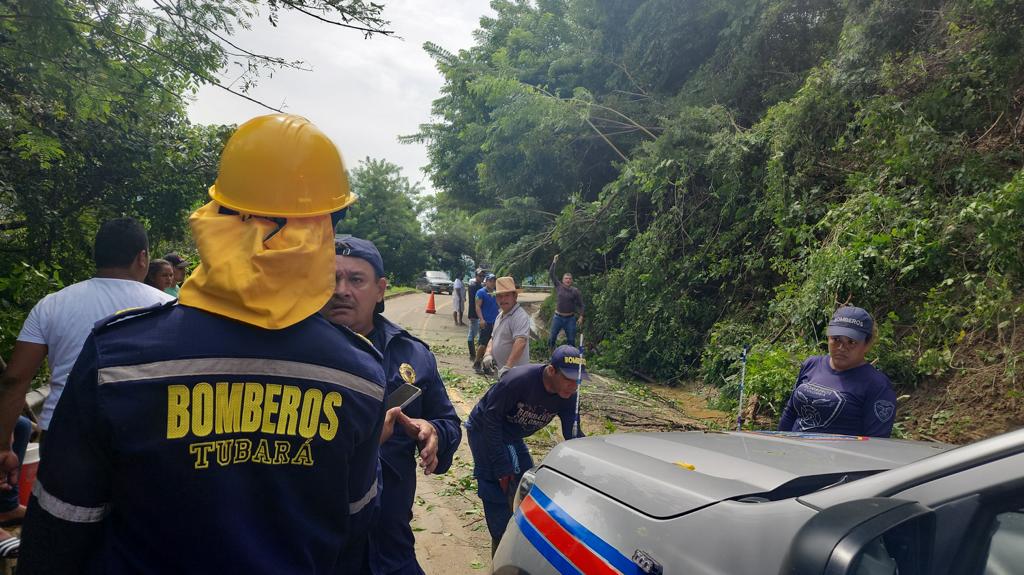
{"x": 236, "y": 431}
{"x": 510, "y": 340}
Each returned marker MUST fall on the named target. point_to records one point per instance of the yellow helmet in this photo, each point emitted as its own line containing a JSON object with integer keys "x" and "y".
{"x": 281, "y": 165}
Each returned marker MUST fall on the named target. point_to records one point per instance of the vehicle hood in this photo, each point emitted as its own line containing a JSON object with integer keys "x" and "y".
{"x": 669, "y": 474}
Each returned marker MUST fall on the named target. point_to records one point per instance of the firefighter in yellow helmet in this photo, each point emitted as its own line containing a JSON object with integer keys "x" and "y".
{"x": 237, "y": 430}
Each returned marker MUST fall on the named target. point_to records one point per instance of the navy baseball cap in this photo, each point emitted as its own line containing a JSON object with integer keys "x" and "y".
{"x": 568, "y": 359}
{"x": 354, "y": 247}
{"x": 852, "y": 322}
{"x": 490, "y": 277}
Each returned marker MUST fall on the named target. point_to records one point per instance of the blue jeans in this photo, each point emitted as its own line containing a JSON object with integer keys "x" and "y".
{"x": 474, "y": 330}
{"x": 559, "y": 323}
{"x": 22, "y": 431}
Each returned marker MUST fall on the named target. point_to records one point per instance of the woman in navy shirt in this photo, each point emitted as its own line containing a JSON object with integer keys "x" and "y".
{"x": 841, "y": 392}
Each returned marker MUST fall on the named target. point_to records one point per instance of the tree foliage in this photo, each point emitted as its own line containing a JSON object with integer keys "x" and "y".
{"x": 386, "y": 214}
{"x": 729, "y": 172}
{"x": 93, "y": 123}
{"x": 451, "y": 238}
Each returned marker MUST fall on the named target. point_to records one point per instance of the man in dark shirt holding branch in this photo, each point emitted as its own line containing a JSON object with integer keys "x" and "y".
{"x": 569, "y": 309}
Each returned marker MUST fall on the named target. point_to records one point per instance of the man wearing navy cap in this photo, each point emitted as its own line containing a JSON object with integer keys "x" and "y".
{"x": 524, "y": 400}
{"x": 428, "y": 423}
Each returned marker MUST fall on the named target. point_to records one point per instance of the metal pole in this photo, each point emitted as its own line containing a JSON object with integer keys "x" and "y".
{"x": 743, "y": 377}
{"x": 579, "y": 381}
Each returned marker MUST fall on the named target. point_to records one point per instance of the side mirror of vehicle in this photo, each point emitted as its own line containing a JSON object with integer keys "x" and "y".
{"x": 864, "y": 537}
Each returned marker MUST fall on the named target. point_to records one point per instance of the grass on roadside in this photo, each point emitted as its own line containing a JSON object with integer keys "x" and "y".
{"x": 396, "y": 290}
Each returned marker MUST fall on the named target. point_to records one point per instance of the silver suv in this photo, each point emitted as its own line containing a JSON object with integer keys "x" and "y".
{"x": 769, "y": 502}
{"x": 435, "y": 281}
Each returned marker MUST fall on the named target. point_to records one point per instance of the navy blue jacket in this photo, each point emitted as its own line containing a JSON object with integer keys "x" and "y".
{"x": 392, "y": 541}
{"x": 186, "y": 442}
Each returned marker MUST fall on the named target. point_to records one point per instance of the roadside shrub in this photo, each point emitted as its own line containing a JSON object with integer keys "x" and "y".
{"x": 771, "y": 374}
{"x": 892, "y": 353}
{"x": 547, "y": 308}
{"x": 720, "y": 358}
{"x": 19, "y": 291}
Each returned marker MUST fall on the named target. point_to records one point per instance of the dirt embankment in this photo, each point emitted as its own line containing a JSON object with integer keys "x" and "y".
{"x": 980, "y": 395}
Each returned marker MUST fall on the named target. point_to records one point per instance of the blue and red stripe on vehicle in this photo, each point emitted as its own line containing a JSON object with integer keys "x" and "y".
{"x": 570, "y": 547}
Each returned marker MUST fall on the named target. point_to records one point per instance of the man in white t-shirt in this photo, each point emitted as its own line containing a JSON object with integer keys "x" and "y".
{"x": 510, "y": 340}
{"x": 59, "y": 324}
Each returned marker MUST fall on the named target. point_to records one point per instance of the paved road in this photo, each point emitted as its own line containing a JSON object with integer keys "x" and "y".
{"x": 439, "y": 328}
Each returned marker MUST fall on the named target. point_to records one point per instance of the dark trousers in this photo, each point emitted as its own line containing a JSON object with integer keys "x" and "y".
{"x": 410, "y": 568}
{"x": 485, "y": 334}
{"x": 497, "y": 506}
{"x": 497, "y": 503}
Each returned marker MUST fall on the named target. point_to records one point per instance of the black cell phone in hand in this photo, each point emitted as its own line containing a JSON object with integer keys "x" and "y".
{"x": 403, "y": 396}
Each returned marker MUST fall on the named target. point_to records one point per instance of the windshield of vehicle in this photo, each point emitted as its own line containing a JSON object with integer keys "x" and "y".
{"x": 437, "y": 276}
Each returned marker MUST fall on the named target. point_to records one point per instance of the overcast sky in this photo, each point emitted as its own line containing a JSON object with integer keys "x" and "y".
{"x": 362, "y": 93}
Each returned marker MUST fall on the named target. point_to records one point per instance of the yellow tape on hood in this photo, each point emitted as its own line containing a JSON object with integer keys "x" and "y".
{"x": 272, "y": 284}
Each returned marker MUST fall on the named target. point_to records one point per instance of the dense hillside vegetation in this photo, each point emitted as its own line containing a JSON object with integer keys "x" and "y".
{"x": 723, "y": 173}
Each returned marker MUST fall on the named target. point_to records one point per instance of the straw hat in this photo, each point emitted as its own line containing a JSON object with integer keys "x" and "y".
{"x": 506, "y": 284}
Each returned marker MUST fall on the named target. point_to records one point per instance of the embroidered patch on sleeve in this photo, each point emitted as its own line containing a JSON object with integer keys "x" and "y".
{"x": 884, "y": 410}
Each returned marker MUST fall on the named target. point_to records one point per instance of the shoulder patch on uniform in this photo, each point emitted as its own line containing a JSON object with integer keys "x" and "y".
{"x": 133, "y": 312}
{"x": 884, "y": 410}
{"x": 416, "y": 339}
{"x": 361, "y": 341}
{"x": 398, "y": 331}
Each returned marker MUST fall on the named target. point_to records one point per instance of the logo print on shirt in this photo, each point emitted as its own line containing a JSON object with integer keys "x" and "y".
{"x": 817, "y": 405}
{"x": 884, "y": 410}
{"x": 530, "y": 417}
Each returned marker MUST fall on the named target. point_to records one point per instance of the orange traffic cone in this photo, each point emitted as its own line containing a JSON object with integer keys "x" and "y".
{"x": 430, "y": 304}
